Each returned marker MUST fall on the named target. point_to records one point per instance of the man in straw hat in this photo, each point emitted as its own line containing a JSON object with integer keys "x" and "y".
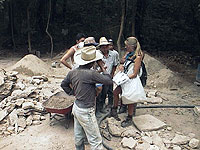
{"x": 81, "y": 83}
{"x": 109, "y": 58}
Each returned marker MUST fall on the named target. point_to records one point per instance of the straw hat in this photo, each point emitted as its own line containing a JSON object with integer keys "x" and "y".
{"x": 87, "y": 55}
{"x": 131, "y": 41}
{"x": 103, "y": 41}
{"x": 90, "y": 41}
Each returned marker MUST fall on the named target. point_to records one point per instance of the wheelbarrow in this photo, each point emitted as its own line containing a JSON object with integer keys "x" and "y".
{"x": 59, "y": 107}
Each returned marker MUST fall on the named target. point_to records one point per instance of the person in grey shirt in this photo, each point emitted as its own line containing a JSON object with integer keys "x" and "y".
{"x": 109, "y": 58}
{"x": 81, "y": 83}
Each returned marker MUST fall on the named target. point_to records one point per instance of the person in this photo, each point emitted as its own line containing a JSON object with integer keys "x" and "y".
{"x": 110, "y": 89}
{"x": 81, "y": 83}
{"x": 132, "y": 91}
{"x": 80, "y": 37}
{"x": 110, "y": 63}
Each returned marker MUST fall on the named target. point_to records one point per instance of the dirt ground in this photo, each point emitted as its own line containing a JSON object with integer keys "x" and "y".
{"x": 180, "y": 91}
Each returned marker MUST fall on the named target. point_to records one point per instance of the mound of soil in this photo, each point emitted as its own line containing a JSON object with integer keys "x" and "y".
{"x": 59, "y": 101}
{"x": 31, "y": 65}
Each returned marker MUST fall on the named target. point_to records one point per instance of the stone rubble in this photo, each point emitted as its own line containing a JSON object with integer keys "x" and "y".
{"x": 21, "y": 101}
{"x": 163, "y": 137}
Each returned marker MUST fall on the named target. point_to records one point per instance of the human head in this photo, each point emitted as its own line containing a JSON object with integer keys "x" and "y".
{"x": 80, "y": 37}
{"x": 87, "y": 55}
{"x": 132, "y": 44}
{"x": 89, "y": 41}
{"x": 111, "y": 46}
{"x": 103, "y": 44}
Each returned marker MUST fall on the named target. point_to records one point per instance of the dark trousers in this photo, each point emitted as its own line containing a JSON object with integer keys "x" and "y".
{"x": 100, "y": 100}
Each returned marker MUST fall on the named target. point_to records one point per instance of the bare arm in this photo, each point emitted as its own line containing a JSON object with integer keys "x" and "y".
{"x": 137, "y": 66}
{"x": 70, "y": 53}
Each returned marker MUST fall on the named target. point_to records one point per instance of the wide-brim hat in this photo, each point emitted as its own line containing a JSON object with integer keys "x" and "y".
{"x": 103, "y": 41}
{"x": 131, "y": 41}
{"x": 87, "y": 55}
{"x": 89, "y": 41}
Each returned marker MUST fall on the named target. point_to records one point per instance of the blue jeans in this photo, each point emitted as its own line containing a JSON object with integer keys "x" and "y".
{"x": 85, "y": 123}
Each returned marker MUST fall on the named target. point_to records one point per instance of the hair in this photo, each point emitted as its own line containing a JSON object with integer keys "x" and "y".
{"x": 80, "y": 35}
{"x": 137, "y": 46}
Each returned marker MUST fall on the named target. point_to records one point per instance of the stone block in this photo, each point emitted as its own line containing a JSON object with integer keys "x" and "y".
{"x": 180, "y": 139}
{"x": 142, "y": 146}
{"x": 148, "y": 123}
{"x": 194, "y": 143}
{"x": 29, "y": 120}
{"x": 27, "y": 105}
{"x": 21, "y": 122}
{"x": 128, "y": 142}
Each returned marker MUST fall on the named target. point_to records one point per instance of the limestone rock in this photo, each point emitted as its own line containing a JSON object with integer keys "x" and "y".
{"x": 157, "y": 140}
{"x": 13, "y": 117}
{"x": 1, "y": 81}
{"x": 36, "y": 117}
{"x": 3, "y": 114}
{"x": 128, "y": 142}
{"x": 19, "y": 102}
{"x": 147, "y": 139}
{"x": 39, "y": 106}
{"x": 180, "y": 139}
{"x": 20, "y": 86}
{"x": 194, "y": 143}
{"x": 29, "y": 120}
{"x": 43, "y": 118}
{"x": 114, "y": 127}
{"x": 27, "y": 105}
{"x": 142, "y": 146}
{"x": 153, "y": 147}
{"x": 20, "y": 112}
{"x": 11, "y": 129}
{"x": 152, "y": 93}
{"x": 176, "y": 147}
{"x": 36, "y": 122}
{"x": 129, "y": 133}
{"x": 21, "y": 122}
{"x": 148, "y": 123}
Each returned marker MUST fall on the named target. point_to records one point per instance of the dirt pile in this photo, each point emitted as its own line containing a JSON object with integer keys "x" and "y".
{"x": 32, "y": 65}
{"x": 59, "y": 101}
{"x": 159, "y": 75}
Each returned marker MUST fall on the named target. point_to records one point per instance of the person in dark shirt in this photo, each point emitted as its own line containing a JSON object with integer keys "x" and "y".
{"x": 81, "y": 82}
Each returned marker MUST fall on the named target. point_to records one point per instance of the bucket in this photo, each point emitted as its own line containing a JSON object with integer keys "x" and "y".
{"x": 198, "y": 73}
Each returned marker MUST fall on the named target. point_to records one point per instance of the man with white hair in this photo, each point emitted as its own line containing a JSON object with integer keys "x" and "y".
{"x": 81, "y": 82}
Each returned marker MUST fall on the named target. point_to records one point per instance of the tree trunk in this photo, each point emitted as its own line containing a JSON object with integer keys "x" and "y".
{"x": 49, "y": 15}
{"x": 134, "y": 7}
{"x": 12, "y": 24}
{"x": 101, "y": 17}
{"x": 121, "y": 27}
{"x": 29, "y": 28}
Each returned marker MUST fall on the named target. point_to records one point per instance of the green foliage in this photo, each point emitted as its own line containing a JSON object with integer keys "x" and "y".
{"x": 160, "y": 24}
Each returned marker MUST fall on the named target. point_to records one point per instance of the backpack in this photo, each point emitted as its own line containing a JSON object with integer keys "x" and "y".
{"x": 143, "y": 77}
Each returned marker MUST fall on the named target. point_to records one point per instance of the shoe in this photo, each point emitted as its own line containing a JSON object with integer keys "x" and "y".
{"x": 114, "y": 114}
{"x": 127, "y": 122}
{"x": 122, "y": 109}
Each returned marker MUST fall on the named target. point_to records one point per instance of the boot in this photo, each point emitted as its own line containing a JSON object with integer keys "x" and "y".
{"x": 114, "y": 114}
{"x": 127, "y": 122}
{"x": 122, "y": 109}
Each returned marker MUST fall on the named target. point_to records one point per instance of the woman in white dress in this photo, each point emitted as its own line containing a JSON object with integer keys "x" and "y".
{"x": 132, "y": 90}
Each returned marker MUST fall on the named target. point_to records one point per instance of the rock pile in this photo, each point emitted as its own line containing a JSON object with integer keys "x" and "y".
{"x": 21, "y": 101}
{"x": 155, "y": 136}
